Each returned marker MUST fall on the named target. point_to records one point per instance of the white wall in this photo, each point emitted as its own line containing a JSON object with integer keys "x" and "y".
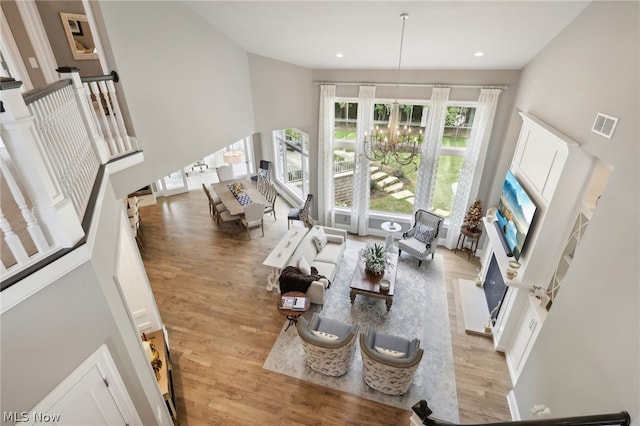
{"x": 286, "y": 95}
{"x": 586, "y": 359}
{"x": 187, "y": 86}
{"x": 282, "y": 98}
{"x": 45, "y": 337}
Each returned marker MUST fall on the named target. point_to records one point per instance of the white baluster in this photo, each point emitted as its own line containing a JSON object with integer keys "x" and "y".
{"x": 118, "y": 116}
{"x": 92, "y": 110}
{"x": 106, "y": 130}
{"x": 55, "y": 211}
{"x": 112, "y": 117}
{"x": 32, "y": 223}
{"x": 12, "y": 240}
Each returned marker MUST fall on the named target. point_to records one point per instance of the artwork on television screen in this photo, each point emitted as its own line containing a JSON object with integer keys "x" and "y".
{"x": 515, "y": 214}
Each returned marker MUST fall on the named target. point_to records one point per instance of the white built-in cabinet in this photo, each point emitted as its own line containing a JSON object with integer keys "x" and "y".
{"x": 556, "y": 173}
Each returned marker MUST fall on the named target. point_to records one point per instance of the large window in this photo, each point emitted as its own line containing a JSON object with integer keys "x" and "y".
{"x": 344, "y": 139}
{"x": 392, "y": 186}
{"x": 457, "y": 129}
{"x": 292, "y": 165}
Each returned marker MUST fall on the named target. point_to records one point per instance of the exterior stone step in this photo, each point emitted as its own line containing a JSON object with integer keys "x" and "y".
{"x": 393, "y": 188}
{"x": 405, "y": 193}
{"x": 378, "y": 175}
{"x": 387, "y": 181}
{"x": 410, "y": 200}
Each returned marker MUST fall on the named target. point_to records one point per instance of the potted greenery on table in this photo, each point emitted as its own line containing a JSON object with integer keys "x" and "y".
{"x": 376, "y": 258}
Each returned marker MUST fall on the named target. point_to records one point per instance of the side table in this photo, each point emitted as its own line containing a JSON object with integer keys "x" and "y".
{"x": 291, "y": 314}
{"x": 473, "y": 236}
{"x": 391, "y": 228}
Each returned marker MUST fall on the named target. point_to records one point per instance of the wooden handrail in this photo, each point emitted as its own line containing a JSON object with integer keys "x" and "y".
{"x": 112, "y": 76}
{"x": 37, "y": 94}
{"x": 622, "y": 418}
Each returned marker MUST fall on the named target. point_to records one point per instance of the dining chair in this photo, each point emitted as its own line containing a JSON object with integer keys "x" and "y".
{"x": 271, "y": 194}
{"x": 226, "y": 218}
{"x": 225, "y": 173}
{"x": 253, "y": 217}
{"x": 215, "y": 203}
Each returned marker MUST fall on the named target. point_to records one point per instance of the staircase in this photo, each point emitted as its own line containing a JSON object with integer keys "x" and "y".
{"x": 391, "y": 185}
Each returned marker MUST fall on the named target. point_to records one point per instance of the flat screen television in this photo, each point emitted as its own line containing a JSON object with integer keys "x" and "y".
{"x": 515, "y": 214}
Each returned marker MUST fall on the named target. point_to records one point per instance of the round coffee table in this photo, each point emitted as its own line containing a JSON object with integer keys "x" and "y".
{"x": 293, "y": 314}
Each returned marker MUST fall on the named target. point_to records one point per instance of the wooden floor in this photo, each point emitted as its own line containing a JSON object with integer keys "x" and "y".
{"x": 222, "y": 323}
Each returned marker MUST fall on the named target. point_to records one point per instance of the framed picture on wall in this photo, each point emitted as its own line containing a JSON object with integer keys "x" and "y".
{"x": 75, "y": 27}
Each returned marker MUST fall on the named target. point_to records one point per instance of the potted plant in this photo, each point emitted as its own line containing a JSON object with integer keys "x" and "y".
{"x": 376, "y": 258}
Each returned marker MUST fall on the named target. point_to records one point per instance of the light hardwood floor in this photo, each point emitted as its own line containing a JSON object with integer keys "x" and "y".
{"x": 222, "y": 323}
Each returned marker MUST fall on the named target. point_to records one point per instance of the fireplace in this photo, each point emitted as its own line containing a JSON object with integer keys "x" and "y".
{"x": 494, "y": 288}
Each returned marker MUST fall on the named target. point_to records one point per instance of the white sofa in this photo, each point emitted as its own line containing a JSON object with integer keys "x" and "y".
{"x": 325, "y": 261}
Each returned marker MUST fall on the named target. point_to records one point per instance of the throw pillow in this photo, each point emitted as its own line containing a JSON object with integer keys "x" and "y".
{"x": 335, "y": 238}
{"x": 424, "y": 233}
{"x": 320, "y": 239}
{"x": 304, "y": 266}
{"x": 391, "y": 353}
{"x": 324, "y": 336}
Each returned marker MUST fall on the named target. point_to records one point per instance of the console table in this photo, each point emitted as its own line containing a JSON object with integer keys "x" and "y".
{"x": 282, "y": 252}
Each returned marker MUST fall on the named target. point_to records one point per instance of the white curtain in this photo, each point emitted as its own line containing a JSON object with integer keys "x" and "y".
{"x": 428, "y": 168}
{"x": 325, "y": 154}
{"x": 472, "y": 165}
{"x": 360, "y": 197}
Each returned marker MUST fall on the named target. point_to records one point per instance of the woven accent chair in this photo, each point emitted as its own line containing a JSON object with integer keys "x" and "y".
{"x": 421, "y": 240}
{"x": 389, "y": 374}
{"x": 329, "y": 357}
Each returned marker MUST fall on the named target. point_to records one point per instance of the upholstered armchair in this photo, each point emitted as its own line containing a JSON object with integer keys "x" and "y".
{"x": 328, "y": 344}
{"x": 389, "y": 362}
{"x": 301, "y": 213}
{"x": 421, "y": 240}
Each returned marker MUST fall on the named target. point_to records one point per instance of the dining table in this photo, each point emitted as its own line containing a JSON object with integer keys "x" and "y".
{"x": 236, "y": 202}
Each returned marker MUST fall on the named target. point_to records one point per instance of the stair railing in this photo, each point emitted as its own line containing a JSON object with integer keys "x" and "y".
{"x": 52, "y": 145}
{"x": 422, "y": 410}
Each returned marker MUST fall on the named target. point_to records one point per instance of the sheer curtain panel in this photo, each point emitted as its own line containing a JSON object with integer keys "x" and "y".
{"x": 428, "y": 168}
{"x": 474, "y": 158}
{"x": 325, "y": 154}
{"x": 360, "y": 193}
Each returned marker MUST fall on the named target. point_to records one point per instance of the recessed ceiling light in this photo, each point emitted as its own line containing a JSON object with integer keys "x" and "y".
{"x": 478, "y": 54}
{"x": 339, "y": 55}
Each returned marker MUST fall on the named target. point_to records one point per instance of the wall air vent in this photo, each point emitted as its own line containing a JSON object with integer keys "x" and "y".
{"x": 604, "y": 125}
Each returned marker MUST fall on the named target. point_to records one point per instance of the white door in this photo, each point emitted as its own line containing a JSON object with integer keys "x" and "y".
{"x": 93, "y": 394}
{"x": 134, "y": 283}
{"x": 88, "y": 403}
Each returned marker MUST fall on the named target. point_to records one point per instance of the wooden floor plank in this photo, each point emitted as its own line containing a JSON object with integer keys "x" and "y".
{"x": 210, "y": 289}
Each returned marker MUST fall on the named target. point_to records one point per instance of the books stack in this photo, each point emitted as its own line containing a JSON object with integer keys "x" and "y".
{"x": 293, "y": 303}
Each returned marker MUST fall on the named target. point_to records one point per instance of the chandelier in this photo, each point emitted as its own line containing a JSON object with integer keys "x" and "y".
{"x": 393, "y": 144}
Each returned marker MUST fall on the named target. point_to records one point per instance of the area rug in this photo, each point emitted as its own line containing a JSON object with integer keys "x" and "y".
{"x": 419, "y": 310}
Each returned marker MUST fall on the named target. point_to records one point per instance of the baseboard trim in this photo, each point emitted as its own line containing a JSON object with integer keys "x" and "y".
{"x": 513, "y": 406}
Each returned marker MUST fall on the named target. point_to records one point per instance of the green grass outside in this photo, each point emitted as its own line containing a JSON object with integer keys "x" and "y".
{"x": 448, "y": 172}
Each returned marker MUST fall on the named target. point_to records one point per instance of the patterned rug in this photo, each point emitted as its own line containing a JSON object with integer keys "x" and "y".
{"x": 419, "y": 310}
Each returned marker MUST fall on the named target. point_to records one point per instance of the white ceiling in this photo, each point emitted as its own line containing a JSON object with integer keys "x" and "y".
{"x": 438, "y": 34}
